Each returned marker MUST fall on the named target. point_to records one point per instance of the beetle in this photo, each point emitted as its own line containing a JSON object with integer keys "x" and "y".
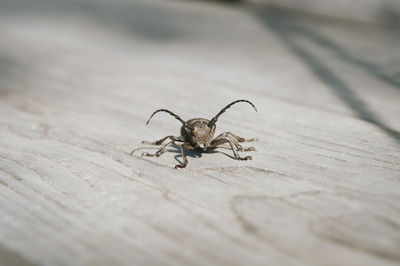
{"x": 198, "y": 133}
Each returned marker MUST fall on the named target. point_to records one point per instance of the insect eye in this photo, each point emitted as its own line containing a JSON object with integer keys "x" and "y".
{"x": 189, "y": 126}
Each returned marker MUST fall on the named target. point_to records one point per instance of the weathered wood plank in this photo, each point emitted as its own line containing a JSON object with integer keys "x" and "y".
{"x": 78, "y": 80}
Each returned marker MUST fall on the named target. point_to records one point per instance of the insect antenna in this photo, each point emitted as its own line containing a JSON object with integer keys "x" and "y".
{"x": 171, "y": 113}
{"x": 215, "y": 118}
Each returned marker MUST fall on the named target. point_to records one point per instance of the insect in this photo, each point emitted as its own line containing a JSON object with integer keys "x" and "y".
{"x": 198, "y": 133}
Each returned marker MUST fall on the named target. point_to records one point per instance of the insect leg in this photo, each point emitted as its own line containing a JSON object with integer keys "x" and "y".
{"x": 185, "y": 161}
{"x": 159, "y": 142}
{"x": 235, "y": 153}
{"x": 218, "y": 140}
{"x": 224, "y": 138}
{"x": 160, "y": 151}
{"x": 235, "y": 141}
{"x": 240, "y": 139}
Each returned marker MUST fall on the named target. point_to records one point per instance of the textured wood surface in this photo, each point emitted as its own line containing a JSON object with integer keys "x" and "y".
{"x": 385, "y": 12}
{"x": 78, "y": 80}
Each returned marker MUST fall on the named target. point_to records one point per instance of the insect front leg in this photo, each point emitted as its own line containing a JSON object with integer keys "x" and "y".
{"x": 185, "y": 161}
{"x": 160, "y": 151}
{"x": 159, "y": 142}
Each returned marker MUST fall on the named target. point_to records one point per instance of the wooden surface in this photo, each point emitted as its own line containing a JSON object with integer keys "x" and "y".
{"x": 78, "y": 80}
{"x": 385, "y": 12}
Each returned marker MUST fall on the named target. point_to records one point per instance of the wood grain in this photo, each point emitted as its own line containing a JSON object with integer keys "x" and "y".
{"x": 78, "y": 80}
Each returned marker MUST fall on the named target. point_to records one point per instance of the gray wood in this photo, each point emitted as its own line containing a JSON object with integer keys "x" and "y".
{"x": 78, "y": 80}
{"x": 384, "y": 12}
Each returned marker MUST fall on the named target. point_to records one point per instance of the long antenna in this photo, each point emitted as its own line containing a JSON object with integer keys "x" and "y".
{"x": 171, "y": 113}
{"x": 215, "y": 118}
{"x": 167, "y": 111}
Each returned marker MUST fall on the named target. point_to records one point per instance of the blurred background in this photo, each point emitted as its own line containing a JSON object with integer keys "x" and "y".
{"x": 342, "y": 55}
